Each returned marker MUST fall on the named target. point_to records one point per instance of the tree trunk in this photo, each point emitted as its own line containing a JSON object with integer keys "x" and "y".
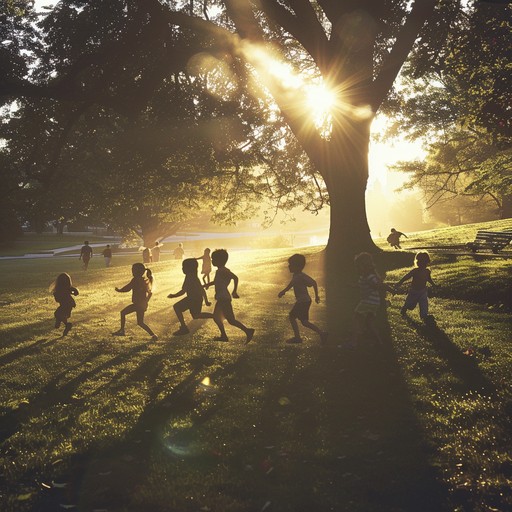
{"x": 345, "y": 170}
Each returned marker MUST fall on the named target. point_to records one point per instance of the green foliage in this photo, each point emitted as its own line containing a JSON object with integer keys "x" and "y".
{"x": 463, "y": 104}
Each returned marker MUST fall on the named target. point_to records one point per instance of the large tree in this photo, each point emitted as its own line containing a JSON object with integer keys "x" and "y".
{"x": 355, "y": 48}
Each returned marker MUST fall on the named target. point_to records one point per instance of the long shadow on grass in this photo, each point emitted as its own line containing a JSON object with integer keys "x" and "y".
{"x": 463, "y": 366}
{"x": 57, "y": 392}
{"x": 114, "y": 472}
{"x": 24, "y": 351}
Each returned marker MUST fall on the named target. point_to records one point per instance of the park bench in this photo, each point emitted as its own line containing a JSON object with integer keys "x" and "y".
{"x": 494, "y": 240}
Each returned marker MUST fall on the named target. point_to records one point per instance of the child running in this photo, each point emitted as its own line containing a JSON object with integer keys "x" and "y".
{"x": 371, "y": 287}
{"x": 141, "y": 286}
{"x": 223, "y": 307}
{"x": 300, "y": 311}
{"x": 206, "y": 268}
{"x": 63, "y": 292}
{"x": 194, "y": 299}
{"x": 417, "y": 294}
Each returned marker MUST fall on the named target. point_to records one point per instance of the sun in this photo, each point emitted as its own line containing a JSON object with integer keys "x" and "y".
{"x": 320, "y": 101}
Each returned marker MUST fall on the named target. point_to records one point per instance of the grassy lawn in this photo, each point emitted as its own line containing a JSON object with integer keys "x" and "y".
{"x": 93, "y": 422}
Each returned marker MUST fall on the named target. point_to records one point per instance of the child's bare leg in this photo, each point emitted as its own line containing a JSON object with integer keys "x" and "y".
{"x": 126, "y": 311}
{"x": 295, "y": 326}
{"x": 140, "y": 323}
{"x": 218, "y": 318}
{"x": 179, "y": 314}
{"x": 309, "y": 325}
{"x": 372, "y": 327}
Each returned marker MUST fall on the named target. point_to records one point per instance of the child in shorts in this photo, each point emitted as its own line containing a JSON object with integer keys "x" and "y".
{"x": 195, "y": 292}
{"x": 141, "y": 287}
{"x": 371, "y": 288}
{"x": 300, "y": 311}
{"x": 223, "y": 308}
{"x": 418, "y": 295}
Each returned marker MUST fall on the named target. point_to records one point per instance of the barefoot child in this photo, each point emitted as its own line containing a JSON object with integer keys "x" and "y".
{"x": 194, "y": 299}
{"x": 371, "y": 287}
{"x": 63, "y": 292}
{"x": 417, "y": 294}
{"x": 300, "y": 311}
{"x": 223, "y": 307}
{"x": 140, "y": 286}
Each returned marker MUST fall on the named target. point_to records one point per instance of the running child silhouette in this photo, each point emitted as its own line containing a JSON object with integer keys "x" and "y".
{"x": 63, "y": 292}
{"x": 223, "y": 308}
{"x": 418, "y": 294}
{"x": 372, "y": 289}
{"x": 195, "y": 295}
{"x": 141, "y": 287}
{"x": 206, "y": 268}
{"x": 300, "y": 311}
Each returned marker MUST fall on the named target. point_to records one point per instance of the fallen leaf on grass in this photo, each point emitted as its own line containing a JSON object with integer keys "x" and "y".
{"x": 24, "y": 497}
{"x": 284, "y": 401}
{"x": 67, "y": 507}
{"x": 105, "y": 473}
{"x": 267, "y": 504}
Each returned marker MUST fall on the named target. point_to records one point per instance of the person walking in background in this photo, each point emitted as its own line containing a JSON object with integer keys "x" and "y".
{"x": 147, "y": 255}
{"x": 85, "y": 254}
{"x": 223, "y": 308}
{"x": 418, "y": 293}
{"x": 107, "y": 255}
{"x": 300, "y": 283}
{"x": 156, "y": 251}
{"x": 179, "y": 252}
{"x": 393, "y": 238}
{"x": 63, "y": 292}
{"x": 206, "y": 267}
{"x": 193, "y": 302}
{"x": 141, "y": 287}
{"x": 372, "y": 290}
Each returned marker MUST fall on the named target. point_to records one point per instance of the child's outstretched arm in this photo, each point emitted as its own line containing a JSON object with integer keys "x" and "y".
{"x": 284, "y": 290}
{"x": 234, "y": 293}
{"x": 315, "y": 289}
{"x": 405, "y": 278}
{"x": 125, "y": 288}
{"x": 174, "y": 295}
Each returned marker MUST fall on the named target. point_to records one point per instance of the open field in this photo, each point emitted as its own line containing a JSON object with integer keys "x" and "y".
{"x": 93, "y": 422}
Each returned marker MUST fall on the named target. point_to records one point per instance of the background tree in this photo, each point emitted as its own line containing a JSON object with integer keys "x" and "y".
{"x": 464, "y": 113}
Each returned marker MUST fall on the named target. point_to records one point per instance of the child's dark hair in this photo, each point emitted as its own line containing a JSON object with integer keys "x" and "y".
{"x": 297, "y": 262}
{"x": 189, "y": 265}
{"x": 139, "y": 269}
{"x": 62, "y": 282}
{"x": 422, "y": 259}
{"x": 220, "y": 256}
{"x": 364, "y": 263}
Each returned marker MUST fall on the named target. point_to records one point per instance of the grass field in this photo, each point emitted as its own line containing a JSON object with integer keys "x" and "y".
{"x": 91, "y": 422}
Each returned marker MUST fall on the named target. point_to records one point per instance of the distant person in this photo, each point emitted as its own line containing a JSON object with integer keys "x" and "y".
{"x": 300, "y": 283}
{"x": 147, "y": 255}
{"x": 371, "y": 289}
{"x": 179, "y": 252}
{"x": 85, "y": 254}
{"x": 418, "y": 294}
{"x": 206, "y": 267}
{"x": 141, "y": 287}
{"x": 394, "y": 238}
{"x": 107, "y": 255}
{"x": 223, "y": 308}
{"x": 156, "y": 251}
{"x": 193, "y": 302}
{"x": 63, "y": 292}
